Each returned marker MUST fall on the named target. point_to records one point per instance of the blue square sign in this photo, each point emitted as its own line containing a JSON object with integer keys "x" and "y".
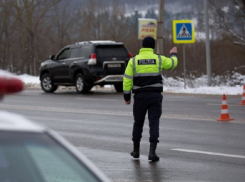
{"x": 183, "y": 31}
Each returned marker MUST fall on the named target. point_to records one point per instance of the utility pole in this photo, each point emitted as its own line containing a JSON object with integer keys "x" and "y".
{"x": 160, "y": 26}
{"x": 136, "y": 22}
{"x": 208, "y": 59}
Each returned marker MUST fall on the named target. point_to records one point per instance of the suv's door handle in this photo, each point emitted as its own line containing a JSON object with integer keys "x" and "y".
{"x": 63, "y": 63}
{"x": 75, "y": 62}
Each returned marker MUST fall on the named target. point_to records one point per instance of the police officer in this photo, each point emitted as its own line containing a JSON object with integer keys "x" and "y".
{"x": 143, "y": 77}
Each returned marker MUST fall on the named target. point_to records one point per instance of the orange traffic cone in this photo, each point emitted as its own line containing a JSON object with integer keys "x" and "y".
{"x": 224, "y": 111}
{"x": 243, "y": 96}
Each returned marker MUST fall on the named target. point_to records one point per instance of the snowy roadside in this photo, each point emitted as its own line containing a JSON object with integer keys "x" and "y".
{"x": 37, "y": 86}
{"x": 233, "y": 86}
{"x": 237, "y": 90}
{"x": 34, "y": 83}
{"x": 170, "y": 86}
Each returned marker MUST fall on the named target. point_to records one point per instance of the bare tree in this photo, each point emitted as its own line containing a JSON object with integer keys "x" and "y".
{"x": 230, "y": 17}
{"x": 30, "y": 16}
{"x": 6, "y": 35}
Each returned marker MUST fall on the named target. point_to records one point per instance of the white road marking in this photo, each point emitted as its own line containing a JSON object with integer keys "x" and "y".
{"x": 212, "y": 104}
{"x": 112, "y": 113}
{"x": 66, "y": 110}
{"x": 210, "y": 153}
{"x": 96, "y": 99}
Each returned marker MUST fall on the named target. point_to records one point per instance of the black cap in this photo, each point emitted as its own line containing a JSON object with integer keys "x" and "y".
{"x": 148, "y": 42}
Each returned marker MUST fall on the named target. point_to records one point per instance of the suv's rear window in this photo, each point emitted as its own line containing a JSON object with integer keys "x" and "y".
{"x": 111, "y": 51}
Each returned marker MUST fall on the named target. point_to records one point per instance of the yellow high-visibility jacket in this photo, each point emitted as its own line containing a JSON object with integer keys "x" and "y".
{"x": 143, "y": 72}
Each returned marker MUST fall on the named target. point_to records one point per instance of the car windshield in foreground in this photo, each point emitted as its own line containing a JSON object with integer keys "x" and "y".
{"x": 111, "y": 51}
{"x": 36, "y": 157}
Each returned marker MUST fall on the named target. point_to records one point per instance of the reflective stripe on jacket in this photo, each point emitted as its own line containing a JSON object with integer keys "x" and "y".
{"x": 143, "y": 72}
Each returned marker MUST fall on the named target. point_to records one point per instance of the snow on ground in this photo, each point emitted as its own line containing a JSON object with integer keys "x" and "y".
{"x": 229, "y": 86}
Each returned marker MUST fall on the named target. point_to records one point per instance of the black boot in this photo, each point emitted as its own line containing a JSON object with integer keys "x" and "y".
{"x": 136, "y": 151}
{"x": 152, "y": 154}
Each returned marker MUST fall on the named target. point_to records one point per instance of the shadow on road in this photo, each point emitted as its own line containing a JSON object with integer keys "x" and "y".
{"x": 151, "y": 171}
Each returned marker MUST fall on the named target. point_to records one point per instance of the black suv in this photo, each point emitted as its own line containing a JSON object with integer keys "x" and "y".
{"x": 85, "y": 64}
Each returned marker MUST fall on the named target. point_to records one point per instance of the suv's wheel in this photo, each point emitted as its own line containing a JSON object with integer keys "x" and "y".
{"x": 81, "y": 87}
{"x": 47, "y": 85}
{"x": 119, "y": 87}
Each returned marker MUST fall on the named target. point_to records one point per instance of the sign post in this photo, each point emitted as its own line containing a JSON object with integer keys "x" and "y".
{"x": 160, "y": 27}
{"x": 208, "y": 59}
{"x": 183, "y": 33}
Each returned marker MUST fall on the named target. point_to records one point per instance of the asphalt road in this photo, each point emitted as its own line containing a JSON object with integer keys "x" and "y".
{"x": 193, "y": 145}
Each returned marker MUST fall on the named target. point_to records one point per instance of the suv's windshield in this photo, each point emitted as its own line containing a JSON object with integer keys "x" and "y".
{"x": 111, "y": 51}
{"x": 29, "y": 157}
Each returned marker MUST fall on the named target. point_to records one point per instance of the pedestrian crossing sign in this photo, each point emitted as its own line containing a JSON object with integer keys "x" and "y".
{"x": 183, "y": 31}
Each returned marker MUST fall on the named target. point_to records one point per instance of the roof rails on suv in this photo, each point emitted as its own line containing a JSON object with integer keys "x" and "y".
{"x": 97, "y": 42}
{"x": 84, "y": 65}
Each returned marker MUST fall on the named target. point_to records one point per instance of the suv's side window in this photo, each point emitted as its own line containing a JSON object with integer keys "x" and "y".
{"x": 74, "y": 52}
{"x": 85, "y": 51}
{"x": 63, "y": 54}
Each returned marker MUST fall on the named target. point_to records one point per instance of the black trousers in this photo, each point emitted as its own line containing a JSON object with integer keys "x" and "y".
{"x": 144, "y": 102}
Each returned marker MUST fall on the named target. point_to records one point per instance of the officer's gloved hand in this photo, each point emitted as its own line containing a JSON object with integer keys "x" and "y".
{"x": 173, "y": 50}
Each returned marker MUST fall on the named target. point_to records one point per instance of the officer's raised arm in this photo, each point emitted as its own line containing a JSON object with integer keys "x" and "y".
{"x": 171, "y": 62}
